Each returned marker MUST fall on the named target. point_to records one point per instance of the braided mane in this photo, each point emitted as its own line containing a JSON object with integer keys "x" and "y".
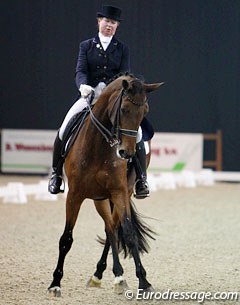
{"x": 127, "y": 73}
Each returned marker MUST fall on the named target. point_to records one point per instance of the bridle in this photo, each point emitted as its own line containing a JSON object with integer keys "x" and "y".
{"x": 130, "y": 99}
{"x": 113, "y": 137}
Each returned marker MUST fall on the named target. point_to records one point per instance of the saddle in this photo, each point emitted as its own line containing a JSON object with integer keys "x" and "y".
{"x": 72, "y": 130}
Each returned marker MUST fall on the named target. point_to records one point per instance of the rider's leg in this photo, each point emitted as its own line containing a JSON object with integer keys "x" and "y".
{"x": 54, "y": 185}
{"x": 77, "y": 107}
{"x": 139, "y": 161}
{"x": 55, "y": 182}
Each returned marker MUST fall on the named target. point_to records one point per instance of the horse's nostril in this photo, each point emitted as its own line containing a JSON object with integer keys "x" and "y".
{"x": 123, "y": 154}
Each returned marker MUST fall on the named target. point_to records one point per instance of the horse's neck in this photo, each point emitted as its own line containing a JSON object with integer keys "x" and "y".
{"x": 90, "y": 133}
{"x": 100, "y": 112}
{"x": 100, "y": 109}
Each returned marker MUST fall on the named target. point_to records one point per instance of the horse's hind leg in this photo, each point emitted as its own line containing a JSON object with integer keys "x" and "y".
{"x": 95, "y": 280}
{"x": 131, "y": 240}
{"x": 65, "y": 243}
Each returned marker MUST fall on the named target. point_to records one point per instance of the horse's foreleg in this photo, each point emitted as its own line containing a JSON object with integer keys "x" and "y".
{"x": 65, "y": 244}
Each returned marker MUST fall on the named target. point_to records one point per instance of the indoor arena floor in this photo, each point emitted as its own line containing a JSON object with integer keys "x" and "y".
{"x": 196, "y": 248}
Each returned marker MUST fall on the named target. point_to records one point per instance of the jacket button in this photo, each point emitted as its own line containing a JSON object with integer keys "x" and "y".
{"x": 105, "y": 67}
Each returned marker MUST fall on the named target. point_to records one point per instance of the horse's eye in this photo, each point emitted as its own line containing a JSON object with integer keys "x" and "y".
{"x": 124, "y": 110}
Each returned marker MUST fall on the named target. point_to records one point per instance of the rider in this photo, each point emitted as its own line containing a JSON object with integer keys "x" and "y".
{"x": 100, "y": 59}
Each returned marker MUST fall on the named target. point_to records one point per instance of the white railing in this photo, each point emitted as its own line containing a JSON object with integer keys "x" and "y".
{"x": 21, "y": 193}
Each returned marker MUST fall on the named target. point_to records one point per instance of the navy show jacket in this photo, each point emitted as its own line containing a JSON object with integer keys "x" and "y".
{"x": 95, "y": 65}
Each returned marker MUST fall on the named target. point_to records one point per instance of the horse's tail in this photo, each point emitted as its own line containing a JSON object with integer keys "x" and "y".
{"x": 142, "y": 233}
{"x": 142, "y": 230}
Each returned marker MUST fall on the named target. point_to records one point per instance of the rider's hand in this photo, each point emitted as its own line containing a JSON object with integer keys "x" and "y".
{"x": 86, "y": 90}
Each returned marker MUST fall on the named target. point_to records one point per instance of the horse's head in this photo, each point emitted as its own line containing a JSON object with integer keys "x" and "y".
{"x": 129, "y": 106}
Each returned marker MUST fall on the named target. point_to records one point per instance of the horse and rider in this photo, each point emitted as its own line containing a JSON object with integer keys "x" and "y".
{"x": 97, "y": 163}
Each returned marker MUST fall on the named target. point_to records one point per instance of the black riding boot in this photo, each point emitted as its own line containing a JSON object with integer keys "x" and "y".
{"x": 139, "y": 160}
{"x": 55, "y": 182}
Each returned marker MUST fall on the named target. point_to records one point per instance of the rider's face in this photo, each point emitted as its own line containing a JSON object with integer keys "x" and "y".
{"x": 107, "y": 27}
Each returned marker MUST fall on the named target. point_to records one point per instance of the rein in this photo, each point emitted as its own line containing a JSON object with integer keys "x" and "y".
{"x": 113, "y": 137}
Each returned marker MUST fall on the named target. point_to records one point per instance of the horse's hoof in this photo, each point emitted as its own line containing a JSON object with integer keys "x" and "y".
{"x": 149, "y": 289}
{"x": 120, "y": 287}
{"x": 93, "y": 282}
{"x": 54, "y": 291}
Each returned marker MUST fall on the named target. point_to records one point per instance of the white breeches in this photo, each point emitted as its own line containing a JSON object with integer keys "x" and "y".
{"x": 77, "y": 107}
{"x": 82, "y": 103}
{"x": 139, "y": 135}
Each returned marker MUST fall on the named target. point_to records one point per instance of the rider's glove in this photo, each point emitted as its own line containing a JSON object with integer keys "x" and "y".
{"x": 86, "y": 90}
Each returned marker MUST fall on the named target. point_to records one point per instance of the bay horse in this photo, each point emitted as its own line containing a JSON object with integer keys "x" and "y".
{"x": 96, "y": 168}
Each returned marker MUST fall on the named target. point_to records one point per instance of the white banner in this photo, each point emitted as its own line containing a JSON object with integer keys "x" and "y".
{"x": 27, "y": 151}
{"x": 176, "y": 151}
{"x": 30, "y": 151}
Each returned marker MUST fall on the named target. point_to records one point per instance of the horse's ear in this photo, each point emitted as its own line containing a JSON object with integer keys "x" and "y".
{"x": 151, "y": 87}
{"x": 125, "y": 84}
